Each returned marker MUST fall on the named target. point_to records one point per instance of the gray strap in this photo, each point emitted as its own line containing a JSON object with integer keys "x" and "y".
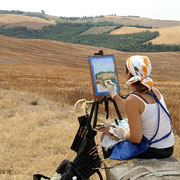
{"x": 151, "y": 172}
{"x": 154, "y": 172}
{"x": 139, "y": 175}
{"x": 169, "y": 173}
{"x": 129, "y": 171}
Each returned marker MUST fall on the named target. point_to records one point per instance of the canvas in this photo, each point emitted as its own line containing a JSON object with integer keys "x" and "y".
{"x": 102, "y": 68}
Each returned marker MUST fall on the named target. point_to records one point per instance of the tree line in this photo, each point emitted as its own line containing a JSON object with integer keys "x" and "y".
{"x": 72, "y": 33}
{"x": 11, "y": 12}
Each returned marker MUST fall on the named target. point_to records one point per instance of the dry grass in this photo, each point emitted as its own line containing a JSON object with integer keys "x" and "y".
{"x": 37, "y": 121}
{"x": 128, "y": 30}
{"x": 28, "y": 24}
{"x": 125, "y": 20}
{"x": 168, "y": 35}
{"x": 30, "y": 51}
{"x": 13, "y": 20}
{"x": 171, "y": 92}
{"x": 34, "y": 138}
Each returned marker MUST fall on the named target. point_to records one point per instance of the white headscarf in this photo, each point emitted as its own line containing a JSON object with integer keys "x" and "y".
{"x": 140, "y": 68}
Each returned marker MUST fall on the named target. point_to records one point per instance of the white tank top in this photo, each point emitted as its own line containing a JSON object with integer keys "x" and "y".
{"x": 149, "y": 119}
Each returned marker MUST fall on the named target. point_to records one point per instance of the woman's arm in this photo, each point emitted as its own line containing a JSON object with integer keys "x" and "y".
{"x": 120, "y": 102}
{"x": 134, "y": 120}
{"x": 112, "y": 90}
{"x": 130, "y": 106}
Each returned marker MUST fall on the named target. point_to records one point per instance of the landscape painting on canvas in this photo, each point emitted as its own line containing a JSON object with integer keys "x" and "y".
{"x": 103, "y": 68}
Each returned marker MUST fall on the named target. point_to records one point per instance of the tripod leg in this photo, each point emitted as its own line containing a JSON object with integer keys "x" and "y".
{"x": 92, "y": 111}
{"x": 107, "y": 109}
{"x": 100, "y": 175}
{"x": 117, "y": 110}
{"x": 96, "y": 114}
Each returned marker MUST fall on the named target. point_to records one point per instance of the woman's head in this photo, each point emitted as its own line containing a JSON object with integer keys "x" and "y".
{"x": 138, "y": 69}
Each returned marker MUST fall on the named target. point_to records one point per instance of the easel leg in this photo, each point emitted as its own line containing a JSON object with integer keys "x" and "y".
{"x": 96, "y": 114}
{"x": 117, "y": 110}
{"x": 92, "y": 111}
{"x": 95, "y": 108}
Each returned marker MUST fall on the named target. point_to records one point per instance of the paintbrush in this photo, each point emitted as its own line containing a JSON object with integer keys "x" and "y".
{"x": 83, "y": 154}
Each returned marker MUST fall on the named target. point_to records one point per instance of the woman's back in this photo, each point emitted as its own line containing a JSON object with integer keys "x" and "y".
{"x": 149, "y": 120}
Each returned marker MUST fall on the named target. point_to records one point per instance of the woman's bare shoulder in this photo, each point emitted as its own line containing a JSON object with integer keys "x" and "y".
{"x": 131, "y": 99}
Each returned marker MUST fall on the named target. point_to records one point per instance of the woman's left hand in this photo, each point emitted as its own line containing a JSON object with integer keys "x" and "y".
{"x": 105, "y": 129}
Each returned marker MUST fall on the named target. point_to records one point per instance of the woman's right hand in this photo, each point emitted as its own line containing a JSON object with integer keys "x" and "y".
{"x": 111, "y": 87}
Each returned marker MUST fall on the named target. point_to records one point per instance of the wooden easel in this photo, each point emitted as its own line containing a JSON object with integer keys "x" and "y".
{"x": 101, "y": 100}
{"x": 95, "y": 108}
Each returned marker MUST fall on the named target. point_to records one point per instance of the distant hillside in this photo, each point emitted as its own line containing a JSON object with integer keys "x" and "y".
{"x": 125, "y": 20}
{"x": 32, "y": 51}
{"x": 155, "y": 23}
{"x": 16, "y": 20}
{"x": 168, "y": 35}
{"x": 97, "y": 31}
{"x": 76, "y": 33}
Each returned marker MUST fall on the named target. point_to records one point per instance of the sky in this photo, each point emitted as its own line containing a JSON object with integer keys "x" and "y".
{"x": 156, "y": 9}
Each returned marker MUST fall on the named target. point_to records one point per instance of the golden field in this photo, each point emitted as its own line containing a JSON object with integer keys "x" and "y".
{"x": 125, "y": 20}
{"x": 134, "y": 20}
{"x": 15, "y": 20}
{"x": 167, "y": 35}
{"x": 40, "y": 81}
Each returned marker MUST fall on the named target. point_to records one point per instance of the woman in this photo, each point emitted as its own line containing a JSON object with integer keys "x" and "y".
{"x": 142, "y": 111}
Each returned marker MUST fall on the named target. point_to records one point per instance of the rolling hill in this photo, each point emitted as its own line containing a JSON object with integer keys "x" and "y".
{"x": 96, "y": 34}
{"x": 167, "y": 35}
{"x": 32, "y": 51}
{"x": 16, "y": 20}
{"x": 125, "y": 20}
{"x": 40, "y": 81}
{"x": 131, "y": 20}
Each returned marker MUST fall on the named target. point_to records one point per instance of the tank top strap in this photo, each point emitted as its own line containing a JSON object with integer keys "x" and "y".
{"x": 140, "y": 98}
